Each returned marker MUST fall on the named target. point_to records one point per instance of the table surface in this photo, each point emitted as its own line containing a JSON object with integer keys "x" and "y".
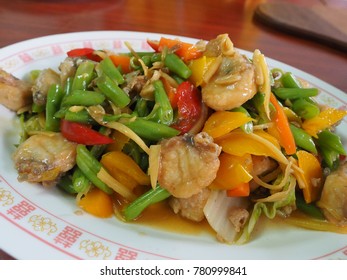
{"x": 203, "y": 19}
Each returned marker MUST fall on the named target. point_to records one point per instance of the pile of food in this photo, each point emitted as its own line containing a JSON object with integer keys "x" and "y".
{"x": 213, "y": 134}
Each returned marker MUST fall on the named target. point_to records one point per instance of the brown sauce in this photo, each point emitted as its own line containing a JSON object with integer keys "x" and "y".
{"x": 161, "y": 216}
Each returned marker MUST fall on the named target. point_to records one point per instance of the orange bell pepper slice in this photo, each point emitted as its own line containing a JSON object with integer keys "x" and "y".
{"x": 120, "y": 141}
{"x": 123, "y": 61}
{"x": 312, "y": 178}
{"x": 242, "y": 189}
{"x": 97, "y": 203}
{"x": 171, "y": 92}
{"x": 116, "y": 161}
{"x": 233, "y": 171}
{"x": 184, "y": 50}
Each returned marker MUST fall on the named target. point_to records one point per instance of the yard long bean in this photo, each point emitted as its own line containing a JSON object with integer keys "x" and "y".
{"x": 134, "y": 209}
{"x": 65, "y": 184}
{"x": 83, "y": 98}
{"x": 54, "y": 98}
{"x": 81, "y": 116}
{"x": 289, "y": 81}
{"x": 80, "y": 182}
{"x": 68, "y": 86}
{"x": 177, "y": 66}
{"x": 165, "y": 112}
{"x": 111, "y": 70}
{"x": 84, "y": 75}
{"x": 331, "y": 141}
{"x": 305, "y": 108}
{"x": 303, "y": 139}
{"x": 331, "y": 147}
{"x": 308, "y": 208}
{"x": 112, "y": 91}
{"x": 141, "y": 108}
{"x": 151, "y": 130}
{"x": 294, "y": 93}
{"x": 90, "y": 167}
{"x": 247, "y": 127}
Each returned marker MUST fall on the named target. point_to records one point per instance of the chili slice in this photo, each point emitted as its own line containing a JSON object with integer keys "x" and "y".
{"x": 82, "y": 134}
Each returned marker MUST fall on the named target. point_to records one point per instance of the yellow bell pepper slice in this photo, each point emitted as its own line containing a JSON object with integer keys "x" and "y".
{"x": 233, "y": 171}
{"x": 117, "y": 161}
{"x": 239, "y": 143}
{"x": 325, "y": 119}
{"x": 312, "y": 176}
{"x": 222, "y": 122}
{"x": 97, "y": 203}
{"x": 199, "y": 67}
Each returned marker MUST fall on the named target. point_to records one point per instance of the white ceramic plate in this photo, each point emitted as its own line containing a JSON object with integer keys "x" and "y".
{"x": 38, "y": 223}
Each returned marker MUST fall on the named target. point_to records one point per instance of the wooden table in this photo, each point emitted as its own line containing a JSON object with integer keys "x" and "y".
{"x": 25, "y": 19}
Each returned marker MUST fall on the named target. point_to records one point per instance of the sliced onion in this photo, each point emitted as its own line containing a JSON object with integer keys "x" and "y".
{"x": 97, "y": 113}
{"x": 217, "y": 212}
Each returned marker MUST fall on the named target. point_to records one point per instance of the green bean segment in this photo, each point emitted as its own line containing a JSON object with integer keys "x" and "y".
{"x": 151, "y": 130}
{"x": 303, "y": 139}
{"x": 65, "y": 184}
{"x": 111, "y": 70}
{"x": 294, "y": 93}
{"x": 165, "y": 112}
{"x": 177, "y": 66}
{"x": 247, "y": 127}
{"x": 141, "y": 108}
{"x": 84, "y": 75}
{"x": 112, "y": 91}
{"x": 90, "y": 167}
{"x": 330, "y": 157}
{"x": 54, "y": 98}
{"x": 331, "y": 141}
{"x": 81, "y": 116}
{"x": 83, "y": 98}
{"x": 289, "y": 81}
{"x": 80, "y": 182}
{"x": 305, "y": 108}
{"x": 134, "y": 209}
{"x": 308, "y": 208}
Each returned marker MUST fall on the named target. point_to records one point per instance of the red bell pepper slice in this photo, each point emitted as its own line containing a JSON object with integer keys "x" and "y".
{"x": 82, "y": 134}
{"x": 84, "y": 52}
{"x": 188, "y": 105}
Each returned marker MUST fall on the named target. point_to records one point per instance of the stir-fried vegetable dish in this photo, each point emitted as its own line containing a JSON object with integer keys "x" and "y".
{"x": 213, "y": 134}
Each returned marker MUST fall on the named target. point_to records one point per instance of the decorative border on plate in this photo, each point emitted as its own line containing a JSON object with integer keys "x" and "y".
{"x": 18, "y": 60}
{"x": 58, "y": 233}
